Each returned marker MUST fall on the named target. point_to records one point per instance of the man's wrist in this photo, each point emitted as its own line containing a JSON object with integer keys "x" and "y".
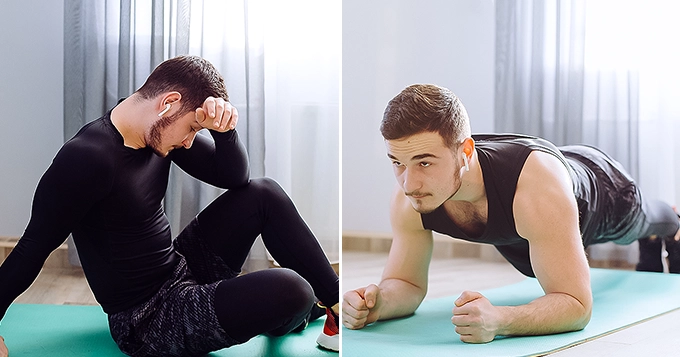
{"x": 503, "y": 327}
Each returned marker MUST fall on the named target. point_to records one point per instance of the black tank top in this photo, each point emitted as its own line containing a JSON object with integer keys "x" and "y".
{"x": 608, "y": 200}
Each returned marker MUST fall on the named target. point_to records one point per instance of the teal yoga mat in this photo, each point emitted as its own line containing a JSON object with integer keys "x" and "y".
{"x": 621, "y": 299}
{"x": 70, "y": 330}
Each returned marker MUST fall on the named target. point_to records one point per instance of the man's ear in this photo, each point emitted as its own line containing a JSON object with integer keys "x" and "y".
{"x": 468, "y": 147}
{"x": 171, "y": 98}
{"x": 166, "y": 101}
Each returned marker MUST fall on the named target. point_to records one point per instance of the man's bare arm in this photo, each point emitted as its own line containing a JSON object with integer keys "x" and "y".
{"x": 547, "y": 216}
{"x": 404, "y": 281}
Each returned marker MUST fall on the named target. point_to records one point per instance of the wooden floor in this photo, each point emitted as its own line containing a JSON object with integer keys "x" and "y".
{"x": 65, "y": 286}
{"x": 449, "y": 277}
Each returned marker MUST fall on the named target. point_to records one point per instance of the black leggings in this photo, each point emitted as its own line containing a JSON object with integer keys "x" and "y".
{"x": 273, "y": 301}
{"x": 663, "y": 223}
{"x": 662, "y": 219}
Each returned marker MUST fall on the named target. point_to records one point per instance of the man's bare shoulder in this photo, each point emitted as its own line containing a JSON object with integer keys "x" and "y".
{"x": 544, "y": 193}
{"x": 542, "y": 172}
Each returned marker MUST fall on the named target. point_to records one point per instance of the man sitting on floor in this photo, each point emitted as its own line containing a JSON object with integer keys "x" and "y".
{"x": 539, "y": 205}
{"x": 180, "y": 297}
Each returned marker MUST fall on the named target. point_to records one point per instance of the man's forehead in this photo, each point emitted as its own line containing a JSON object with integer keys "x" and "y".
{"x": 417, "y": 145}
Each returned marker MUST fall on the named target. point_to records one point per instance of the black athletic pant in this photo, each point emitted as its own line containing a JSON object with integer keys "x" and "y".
{"x": 663, "y": 223}
{"x": 662, "y": 220}
{"x": 273, "y": 301}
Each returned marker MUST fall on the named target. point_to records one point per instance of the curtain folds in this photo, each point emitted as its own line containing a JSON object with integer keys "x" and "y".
{"x": 112, "y": 46}
{"x": 539, "y": 69}
{"x": 597, "y": 73}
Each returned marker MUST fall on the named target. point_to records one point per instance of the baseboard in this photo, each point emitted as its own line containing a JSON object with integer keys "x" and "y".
{"x": 611, "y": 264}
{"x": 447, "y": 247}
{"x": 444, "y": 246}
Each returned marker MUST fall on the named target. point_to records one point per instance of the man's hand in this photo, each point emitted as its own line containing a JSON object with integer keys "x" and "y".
{"x": 3, "y": 349}
{"x": 361, "y": 307}
{"x": 217, "y": 114}
{"x": 475, "y": 318}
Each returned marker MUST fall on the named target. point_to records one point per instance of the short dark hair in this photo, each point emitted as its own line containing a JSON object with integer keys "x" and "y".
{"x": 426, "y": 108}
{"x": 193, "y": 77}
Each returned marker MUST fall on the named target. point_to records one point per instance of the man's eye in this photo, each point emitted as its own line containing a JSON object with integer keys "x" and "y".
{"x": 425, "y": 164}
{"x": 396, "y": 163}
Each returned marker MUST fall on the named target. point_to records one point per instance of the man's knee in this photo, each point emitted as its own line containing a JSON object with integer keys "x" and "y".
{"x": 661, "y": 217}
{"x": 297, "y": 295}
{"x": 268, "y": 191}
{"x": 258, "y": 192}
{"x": 266, "y": 184}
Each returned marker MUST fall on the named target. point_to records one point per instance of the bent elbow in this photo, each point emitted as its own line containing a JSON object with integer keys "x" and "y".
{"x": 234, "y": 180}
{"x": 584, "y": 318}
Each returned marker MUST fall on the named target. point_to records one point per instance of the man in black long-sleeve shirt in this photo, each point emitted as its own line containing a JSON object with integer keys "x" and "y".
{"x": 106, "y": 186}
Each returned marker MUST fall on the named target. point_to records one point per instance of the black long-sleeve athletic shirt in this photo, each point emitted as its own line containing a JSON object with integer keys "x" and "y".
{"x": 109, "y": 196}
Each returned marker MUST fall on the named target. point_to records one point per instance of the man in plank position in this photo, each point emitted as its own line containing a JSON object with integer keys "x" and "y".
{"x": 539, "y": 205}
{"x": 180, "y": 297}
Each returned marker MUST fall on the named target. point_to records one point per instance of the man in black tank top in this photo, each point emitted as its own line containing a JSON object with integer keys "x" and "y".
{"x": 181, "y": 296}
{"x": 539, "y": 205}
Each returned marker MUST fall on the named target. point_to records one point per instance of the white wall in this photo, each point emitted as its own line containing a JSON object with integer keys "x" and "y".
{"x": 31, "y": 102}
{"x": 388, "y": 45}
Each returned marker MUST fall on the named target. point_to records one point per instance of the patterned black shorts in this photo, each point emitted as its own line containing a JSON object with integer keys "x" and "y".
{"x": 180, "y": 319}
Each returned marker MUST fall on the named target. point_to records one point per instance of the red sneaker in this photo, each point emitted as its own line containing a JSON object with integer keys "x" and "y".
{"x": 329, "y": 337}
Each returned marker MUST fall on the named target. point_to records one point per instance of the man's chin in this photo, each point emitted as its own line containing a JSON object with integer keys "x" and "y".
{"x": 424, "y": 210}
{"x": 420, "y": 208}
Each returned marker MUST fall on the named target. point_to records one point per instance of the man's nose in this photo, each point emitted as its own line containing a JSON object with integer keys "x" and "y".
{"x": 411, "y": 181}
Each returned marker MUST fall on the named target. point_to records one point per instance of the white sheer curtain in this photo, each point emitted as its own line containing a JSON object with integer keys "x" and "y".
{"x": 281, "y": 64}
{"x": 302, "y": 44}
{"x": 633, "y": 45}
{"x": 602, "y": 73}
{"x": 641, "y": 38}
{"x": 302, "y": 87}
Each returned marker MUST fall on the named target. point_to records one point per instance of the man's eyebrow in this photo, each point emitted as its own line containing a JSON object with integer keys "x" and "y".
{"x": 423, "y": 156}
{"x": 416, "y": 157}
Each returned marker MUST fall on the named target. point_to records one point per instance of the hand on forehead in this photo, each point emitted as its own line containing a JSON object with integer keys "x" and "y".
{"x": 217, "y": 114}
